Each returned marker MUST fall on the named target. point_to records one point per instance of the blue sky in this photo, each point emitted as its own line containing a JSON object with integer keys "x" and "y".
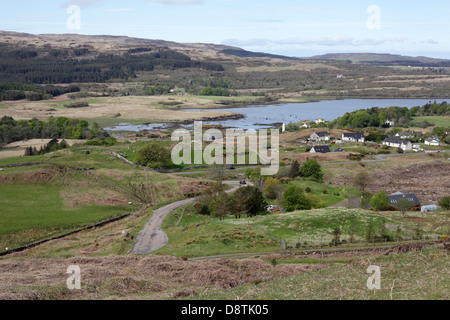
{"x": 295, "y": 28}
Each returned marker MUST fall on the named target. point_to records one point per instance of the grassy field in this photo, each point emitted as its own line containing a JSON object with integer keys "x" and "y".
{"x": 328, "y": 193}
{"x": 113, "y": 110}
{"x": 192, "y": 235}
{"x": 33, "y": 210}
{"x": 415, "y": 275}
{"x": 40, "y": 201}
{"x": 439, "y": 121}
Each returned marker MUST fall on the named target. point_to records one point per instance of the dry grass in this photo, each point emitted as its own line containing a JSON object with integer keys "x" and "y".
{"x": 428, "y": 180}
{"x": 131, "y": 277}
{"x": 130, "y": 108}
{"x": 92, "y": 197}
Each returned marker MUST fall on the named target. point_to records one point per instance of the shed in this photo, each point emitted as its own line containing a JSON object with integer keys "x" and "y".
{"x": 428, "y": 208}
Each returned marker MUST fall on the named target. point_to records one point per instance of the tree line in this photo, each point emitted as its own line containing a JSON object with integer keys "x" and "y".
{"x": 51, "y": 146}
{"x": 33, "y": 92}
{"x": 55, "y": 128}
{"x": 376, "y": 117}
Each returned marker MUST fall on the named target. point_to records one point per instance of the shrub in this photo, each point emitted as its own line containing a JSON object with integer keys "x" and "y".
{"x": 445, "y": 202}
{"x": 294, "y": 198}
{"x": 312, "y": 169}
{"x": 380, "y": 201}
{"x": 153, "y": 155}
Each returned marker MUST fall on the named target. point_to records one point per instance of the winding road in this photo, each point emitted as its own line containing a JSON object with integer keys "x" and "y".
{"x": 152, "y": 238}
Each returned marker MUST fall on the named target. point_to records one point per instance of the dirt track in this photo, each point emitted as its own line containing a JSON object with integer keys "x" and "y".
{"x": 152, "y": 238}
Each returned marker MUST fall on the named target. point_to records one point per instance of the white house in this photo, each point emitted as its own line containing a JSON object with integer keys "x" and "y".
{"x": 320, "y": 136}
{"x": 353, "y": 137}
{"x": 398, "y": 143}
{"x": 390, "y": 122}
{"x": 432, "y": 141}
{"x": 305, "y": 125}
{"x": 320, "y": 120}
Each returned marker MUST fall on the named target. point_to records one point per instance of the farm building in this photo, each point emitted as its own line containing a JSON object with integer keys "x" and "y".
{"x": 429, "y": 208}
{"x": 320, "y": 149}
{"x": 415, "y": 203}
{"x": 320, "y": 136}
{"x": 398, "y": 143}
{"x": 353, "y": 137}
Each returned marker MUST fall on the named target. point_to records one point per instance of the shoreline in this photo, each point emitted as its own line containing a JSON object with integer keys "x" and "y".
{"x": 237, "y": 116}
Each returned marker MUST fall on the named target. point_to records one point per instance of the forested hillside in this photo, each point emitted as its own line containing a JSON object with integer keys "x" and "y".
{"x": 41, "y": 66}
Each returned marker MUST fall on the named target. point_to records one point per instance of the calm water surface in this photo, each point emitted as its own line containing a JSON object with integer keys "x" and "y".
{"x": 258, "y": 117}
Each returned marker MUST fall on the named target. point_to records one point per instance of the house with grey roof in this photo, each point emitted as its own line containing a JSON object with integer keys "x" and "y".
{"x": 320, "y": 149}
{"x": 405, "y": 145}
{"x": 432, "y": 141}
{"x": 320, "y": 136}
{"x": 353, "y": 136}
{"x": 408, "y": 135}
{"x": 411, "y": 197}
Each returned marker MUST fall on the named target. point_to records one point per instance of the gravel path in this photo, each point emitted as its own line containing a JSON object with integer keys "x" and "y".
{"x": 152, "y": 238}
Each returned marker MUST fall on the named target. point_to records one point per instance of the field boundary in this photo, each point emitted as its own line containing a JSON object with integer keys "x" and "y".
{"x": 402, "y": 247}
{"x": 35, "y": 244}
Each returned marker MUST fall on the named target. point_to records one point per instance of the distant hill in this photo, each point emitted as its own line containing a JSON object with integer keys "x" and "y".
{"x": 384, "y": 59}
{"x": 250, "y": 54}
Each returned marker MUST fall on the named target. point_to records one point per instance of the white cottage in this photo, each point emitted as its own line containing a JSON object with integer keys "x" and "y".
{"x": 406, "y": 145}
{"x": 320, "y": 136}
{"x": 432, "y": 141}
{"x": 353, "y": 137}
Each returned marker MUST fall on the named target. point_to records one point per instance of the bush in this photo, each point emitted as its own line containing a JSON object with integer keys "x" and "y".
{"x": 445, "y": 202}
{"x": 312, "y": 169}
{"x": 294, "y": 199}
{"x": 77, "y": 105}
{"x": 380, "y": 201}
{"x": 153, "y": 155}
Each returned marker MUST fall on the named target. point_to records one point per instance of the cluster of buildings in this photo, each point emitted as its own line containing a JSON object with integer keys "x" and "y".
{"x": 324, "y": 136}
{"x": 399, "y": 140}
